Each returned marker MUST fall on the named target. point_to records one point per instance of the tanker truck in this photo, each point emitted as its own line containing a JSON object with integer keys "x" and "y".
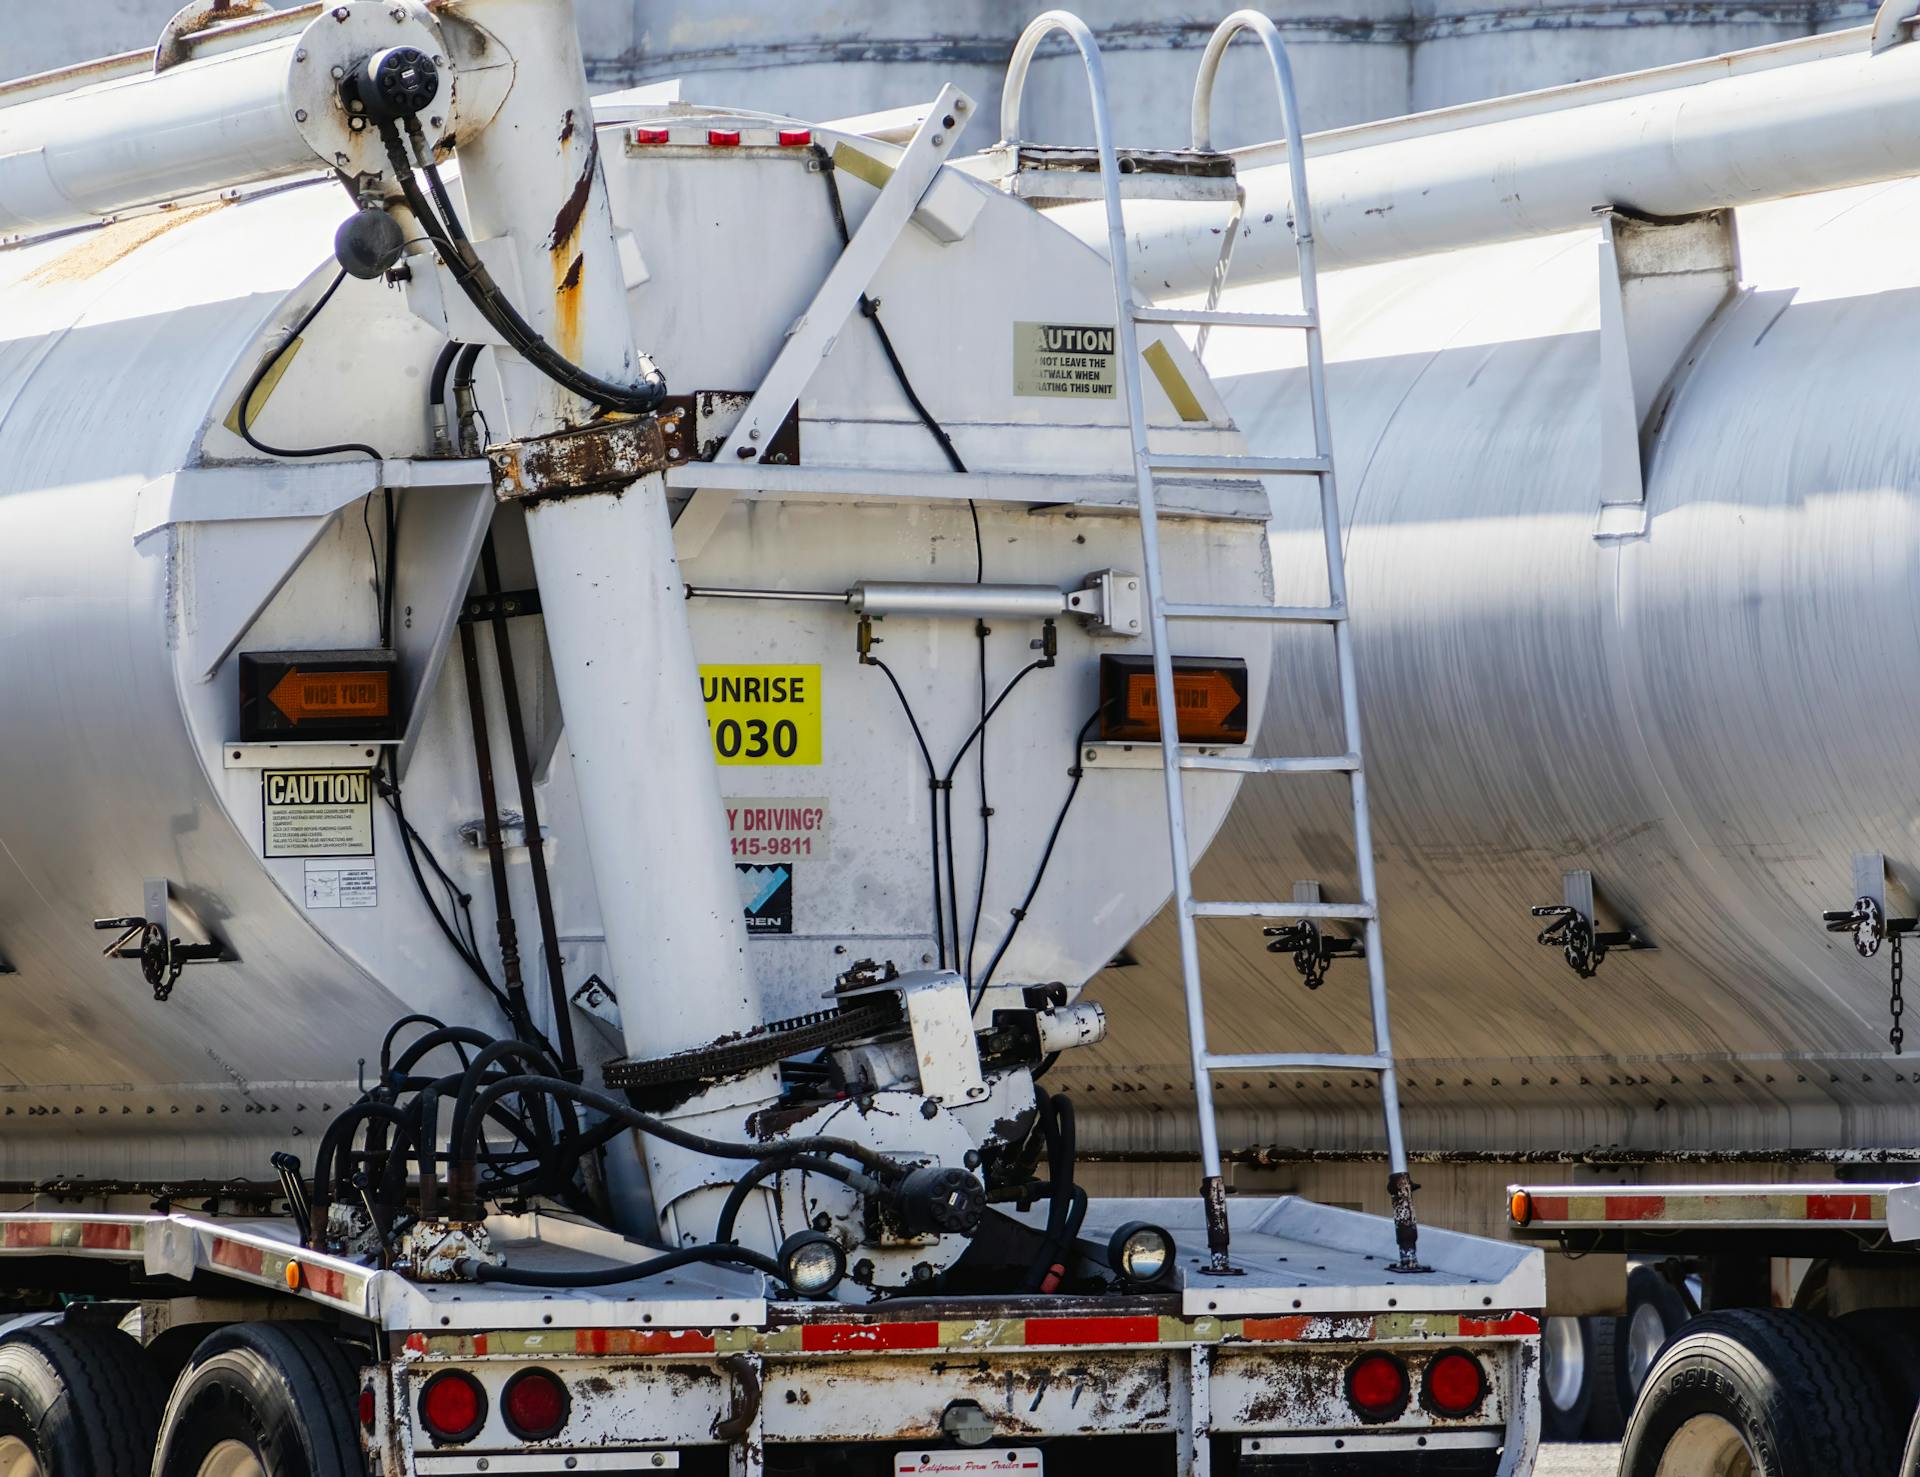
{"x": 1617, "y": 371}
{"x": 587, "y": 683}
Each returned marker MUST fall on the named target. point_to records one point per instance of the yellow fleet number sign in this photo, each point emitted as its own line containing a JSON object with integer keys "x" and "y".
{"x": 763, "y": 715}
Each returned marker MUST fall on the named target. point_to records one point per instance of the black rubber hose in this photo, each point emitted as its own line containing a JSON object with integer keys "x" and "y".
{"x": 933, "y": 804}
{"x": 685, "y": 1256}
{"x": 478, "y": 284}
{"x": 442, "y": 1036}
{"x": 524, "y": 1052}
{"x": 743, "y": 1187}
{"x": 340, "y": 1131}
{"x": 393, "y": 1033}
{"x": 887, "y": 1168}
{"x": 1057, "y": 1124}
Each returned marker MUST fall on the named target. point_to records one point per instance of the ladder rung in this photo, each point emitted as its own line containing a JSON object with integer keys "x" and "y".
{"x": 1303, "y": 764}
{"x": 1210, "y": 318}
{"x": 1295, "y": 1061}
{"x": 1240, "y": 466}
{"x": 1350, "y": 912}
{"x": 1322, "y": 615}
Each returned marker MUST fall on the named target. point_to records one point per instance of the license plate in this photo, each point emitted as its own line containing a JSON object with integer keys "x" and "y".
{"x": 1024, "y": 1459}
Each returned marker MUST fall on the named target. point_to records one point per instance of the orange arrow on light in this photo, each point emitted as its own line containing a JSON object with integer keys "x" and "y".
{"x": 330, "y": 695}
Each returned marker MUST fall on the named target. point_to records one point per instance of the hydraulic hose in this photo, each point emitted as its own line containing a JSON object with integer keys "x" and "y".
{"x": 743, "y": 1187}
{"x": 477, "y": 283}
{"x": 888, "y": 1169}
{"x": 685, "y": 1256}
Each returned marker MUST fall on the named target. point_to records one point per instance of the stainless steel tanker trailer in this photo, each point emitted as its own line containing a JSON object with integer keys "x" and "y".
{"x": 585, "y": 688}
{"x": 1628, "y": 522}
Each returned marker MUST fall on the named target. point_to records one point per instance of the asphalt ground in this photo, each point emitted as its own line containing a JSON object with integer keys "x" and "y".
{"x": 1596, "y": 1460}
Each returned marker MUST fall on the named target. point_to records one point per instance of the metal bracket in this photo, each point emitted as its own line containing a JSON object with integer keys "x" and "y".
{"x": 161, "y": 956}
{"x": 1572, "y": 928}
{"x": 1663, "y": 284}
{"x": 818, "y": 328}
{"x": 1110, "y": 603}
{"x": 1892, "y": 24}
{"x": 1313, "y": 949}
{"x": 508, "y": 603}
{"x": 1870, "y": 919}
{"x": 598, "y": 458}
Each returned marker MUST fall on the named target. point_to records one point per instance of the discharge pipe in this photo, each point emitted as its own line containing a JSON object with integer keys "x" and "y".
{"x": 1795, "y": 118}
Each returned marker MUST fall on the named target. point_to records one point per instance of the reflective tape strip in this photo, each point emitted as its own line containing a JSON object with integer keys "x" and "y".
{"x": 959, "y": 1335}
{"x": 1708, "y": 1206}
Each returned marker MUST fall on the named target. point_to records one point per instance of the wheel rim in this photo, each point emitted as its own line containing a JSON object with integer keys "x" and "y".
{"x": 1706, "y": 1446}
{"x": 17, "y": 1458}
{"x": 1646, "y": 1337}
{"x": 228, "y": 1459}
{"x": 1564, "y": 1369}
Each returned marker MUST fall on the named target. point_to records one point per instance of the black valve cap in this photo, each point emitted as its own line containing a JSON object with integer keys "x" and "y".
{"x": 392, "y": 84}
{"x": 932, "y": 1200}
{"x": 368, "y": 243}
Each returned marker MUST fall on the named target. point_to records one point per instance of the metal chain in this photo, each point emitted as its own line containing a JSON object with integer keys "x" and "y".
{"x": 1309, "y": 957}
{"x": 1572, "y": 931}
{"x": 1896, "y": 1001}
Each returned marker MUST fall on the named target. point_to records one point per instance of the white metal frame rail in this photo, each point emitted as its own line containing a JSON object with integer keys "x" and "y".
{"x": 1159, "y": 611}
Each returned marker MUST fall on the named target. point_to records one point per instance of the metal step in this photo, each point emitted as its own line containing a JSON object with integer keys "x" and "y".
{"x": 1294, "y": 1061}
{"x": 1303, "y": 764}
{"x": 1238, "y": 466}
{"x": 1223, "y": 318}
{"x": 1349, "y": 912}
{"x": 1305, "y": 615}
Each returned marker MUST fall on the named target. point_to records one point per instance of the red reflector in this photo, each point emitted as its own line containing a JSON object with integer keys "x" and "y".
{"x": 367, "y": 1410}
{"x": 724, "y": 138}
{"x": 796, "y": 138}
{"x": 1377, "y": 1387}
{"x": 1455, "y": 1384}
{"x": 453, "y": 1407}
{"x": 649, "y": 135}
{"x": 535, "y": 1404}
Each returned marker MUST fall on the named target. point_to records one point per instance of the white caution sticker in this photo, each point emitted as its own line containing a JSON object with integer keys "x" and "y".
{"x": 316, "y": 812}
{"x": 1073, "y": 359}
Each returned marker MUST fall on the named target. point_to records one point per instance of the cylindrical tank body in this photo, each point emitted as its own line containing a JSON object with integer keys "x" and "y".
{"x": 1708, "y": 716}
{"x": 1356, "y": 59}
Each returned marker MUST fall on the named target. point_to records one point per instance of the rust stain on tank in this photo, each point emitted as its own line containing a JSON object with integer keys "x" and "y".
{"x": 566, "y": 224}
{"x": 115, "y": 242}
{"x": 567, "y": 126}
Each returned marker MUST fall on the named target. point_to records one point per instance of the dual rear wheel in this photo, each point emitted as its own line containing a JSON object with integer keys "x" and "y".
{"x": 254, "y": 1400}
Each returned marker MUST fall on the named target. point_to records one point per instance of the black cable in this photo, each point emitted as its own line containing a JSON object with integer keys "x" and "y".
{"x": 885, "y": 1166}
{"x": 933, "y": 802}
{"x": 1046, "y": 856}
{"x": 243, "y": 418}
{"x": 743, "y": 1187}
{"x": 870, "y": 310}
{"x": 728, "y": 1255}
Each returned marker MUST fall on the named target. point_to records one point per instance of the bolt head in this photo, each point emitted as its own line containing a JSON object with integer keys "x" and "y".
{"x": 299, "y": 115}
{"x": 339, "y": 74}
{"x": 300, "y": 55}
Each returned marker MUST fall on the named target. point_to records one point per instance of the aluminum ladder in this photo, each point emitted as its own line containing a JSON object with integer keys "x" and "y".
{"x": 1189, "y": 910}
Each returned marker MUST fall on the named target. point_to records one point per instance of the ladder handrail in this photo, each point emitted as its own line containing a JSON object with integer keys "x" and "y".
{"x": 1127, "y": 342}
{"x": 1398, "y": 1180}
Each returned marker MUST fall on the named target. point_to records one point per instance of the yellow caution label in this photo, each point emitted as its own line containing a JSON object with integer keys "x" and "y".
{"x": 763, "y": 715}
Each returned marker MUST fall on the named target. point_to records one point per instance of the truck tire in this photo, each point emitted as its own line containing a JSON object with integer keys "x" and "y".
{"x": 1786, "y": 1394}
{"x": 1566, "y": 1378}
{"x": 1612, "y": 1400}
{"x": 273, "y": 1399}
{"x": 75, "y": 1401}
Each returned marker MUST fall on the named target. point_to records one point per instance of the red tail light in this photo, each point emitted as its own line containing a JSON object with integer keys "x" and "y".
{"x": 724, "y": 138}
{"x": 650, "y": 136}
{"x": 535, "y": 1405}
{"x": 368, "y": 1409}
{"x": 1455, "y": 1384}
{"x": 453, "y": 1407}
{"x": 795, "y": 138}
{"x": 1377, "y": 1387}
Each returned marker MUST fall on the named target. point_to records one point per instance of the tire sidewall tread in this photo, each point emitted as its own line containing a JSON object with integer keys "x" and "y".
{"x": 82, "y": 1397}
{"x": 286, "y": 1389}
{"x": 1796, "y": 1389}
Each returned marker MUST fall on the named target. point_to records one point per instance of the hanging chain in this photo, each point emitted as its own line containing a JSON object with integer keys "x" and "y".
{"x": 1896, "y": 1002}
